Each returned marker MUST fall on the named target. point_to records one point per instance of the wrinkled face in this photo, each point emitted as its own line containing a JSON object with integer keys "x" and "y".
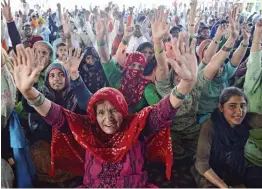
{"x": 136, "y": 66}
{"x": 108, "y": 117}
{"x": 148, "y": 53}
{"x": 43, "y": 53}
{"x": 220, "y": 71}
{"x": 234, "y": 110}
{"x": 62, "y": 53}
{"x": 138, "y": 32}
{"x": 89, "y": 59}
{"x": 28, "y": 30}
{"x": 205, "y": 33}
{"x": 56, "y": 79}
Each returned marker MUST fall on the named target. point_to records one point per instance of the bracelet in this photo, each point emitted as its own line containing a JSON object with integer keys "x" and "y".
{"x": 179, "y": 95}
{"x": 39, "y": 102}
{"x": 159, "y": 52}
{"x": 101, "y": 43}
{"x": 216, "y": 42}
{"x": 192, "y": 25}
{"x": 243, "y": 45}
{"x": 227, "y": 49}
{"x": 35, "y": 97}
{"x": 124, "y": 42}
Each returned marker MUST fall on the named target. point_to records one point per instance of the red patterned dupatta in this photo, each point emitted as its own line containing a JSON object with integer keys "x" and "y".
{"x": 133, "y": 83}
{"x": 68, "y": 151}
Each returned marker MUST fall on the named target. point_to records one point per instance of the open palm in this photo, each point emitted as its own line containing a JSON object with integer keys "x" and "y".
{"x": 74, "y": 60}
{"x": 185, "y": 63}
{"x": 100, "y": 29}
{"x": 158, "y": 23}
{"x": 6, "y": 10}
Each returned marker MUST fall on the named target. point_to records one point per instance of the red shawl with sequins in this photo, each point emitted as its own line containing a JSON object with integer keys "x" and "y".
{"x": 68, "y": 151}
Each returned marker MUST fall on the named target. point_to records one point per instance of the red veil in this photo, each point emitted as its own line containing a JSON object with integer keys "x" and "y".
{"x": 68, "y": 151}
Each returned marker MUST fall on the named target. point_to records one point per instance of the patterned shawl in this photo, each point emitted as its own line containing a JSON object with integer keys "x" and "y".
{"x": 133, "y": 83}
{"x": 68, "y": 151}
{"x": 92, "y": 75}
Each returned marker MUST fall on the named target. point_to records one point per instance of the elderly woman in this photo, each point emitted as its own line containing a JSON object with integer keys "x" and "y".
{"x": 114, "y": 142}
{"x": 220, "y": 160}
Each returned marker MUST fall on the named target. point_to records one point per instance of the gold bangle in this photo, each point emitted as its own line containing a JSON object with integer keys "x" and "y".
{"x": 159, "y": 52}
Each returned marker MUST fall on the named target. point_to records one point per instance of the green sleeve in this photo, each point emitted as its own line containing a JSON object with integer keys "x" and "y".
{"x": 165, "y": 86}
{"x": 113, "y": 74}
{"x": 230, "y": 69}
{"x": 254, "y": 72}
{"x": 151, "y": 94}
{"x": 201, "y": 66}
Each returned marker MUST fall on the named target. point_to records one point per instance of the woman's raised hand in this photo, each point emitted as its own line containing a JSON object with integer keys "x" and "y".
{"x": 100, "y": 29}
{"x": 158, "y": 23}
{"x": 73, "y": 62}
{"x": 6, "y": 10}
{"x": 185, "y": 63}
{"x": 26, "y": 68}
{"x": 66, "y": 25}
{"x": 234, "y": 24}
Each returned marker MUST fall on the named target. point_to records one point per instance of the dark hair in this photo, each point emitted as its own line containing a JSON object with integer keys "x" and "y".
{"x": 60, "y": 45}
{"x": 227, "y": 93}
{"x": 205, "y": 28}
{"x": 174, "y": 29}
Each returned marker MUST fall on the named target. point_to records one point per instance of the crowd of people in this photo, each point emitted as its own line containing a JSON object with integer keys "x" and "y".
{"x": 126, "y": 98}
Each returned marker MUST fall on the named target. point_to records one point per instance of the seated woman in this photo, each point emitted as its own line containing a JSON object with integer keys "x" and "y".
{"x": 91, "y": 70}
{"x": 113, "y": 142}
{"x": 137, "y": 90}
{"x": 65, "y": 93}
{"x": 210, "y": 95}
{"x": 220, "y": 160}
{"x": 147, "y": 49}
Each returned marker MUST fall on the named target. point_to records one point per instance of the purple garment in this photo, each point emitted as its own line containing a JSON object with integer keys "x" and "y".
{"x": 129, "y": 172}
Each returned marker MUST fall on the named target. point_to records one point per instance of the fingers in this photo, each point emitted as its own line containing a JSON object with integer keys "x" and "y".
{"x": 2, "y": 6}
{"x": 8, "y": 3}
{"x": 193, "y": 46}
{"x": 5, "y": 3}
{"x": 78, "y": 53}
{"x": 70, "y": 52}
{"x": 24, "y": 56}
{"x": 187, "y": 43}
{"x": 14, "y": 58}
{"x": 175, "y": 48}
{"x": 181, "y": 44}
{"x": 174, "y": 65}
{"x": 19, "y": 54}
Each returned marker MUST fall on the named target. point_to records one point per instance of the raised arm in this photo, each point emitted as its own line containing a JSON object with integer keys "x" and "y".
{"x": 26, "y": 72}
{"x": 78, "y": 86}
{"x": 159, "y": 31}
{"x": 256, "y": 43}
{"x": 67, "y": 33}
{"x": 239, "y": 54}
{"x": 219, "y": 58}
{"x": 101, "y": 36}
{"x": 11, "y": 26}
{"x": 213, "y": 46}
{"x": 191, "y": 23}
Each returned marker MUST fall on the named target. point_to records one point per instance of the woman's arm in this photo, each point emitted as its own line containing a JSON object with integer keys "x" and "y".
{"x": 191, "y": 24}
{"x": 203, "y": 154}
{"x": 213, "y": 46}
{"x": 159, "y": 31}
{"x": 253, "y": 73}
{"x": 239, "y": 54}
{"x": 219, "y": 58}
{"x": 11, "y": 26}
{"x": 81, "y": 91}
